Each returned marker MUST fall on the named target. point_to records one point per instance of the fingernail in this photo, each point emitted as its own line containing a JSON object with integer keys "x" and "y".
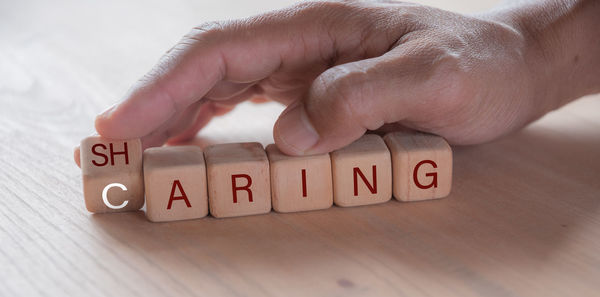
{"x": 106, "y": 113}
{"x": 295, "y": 130}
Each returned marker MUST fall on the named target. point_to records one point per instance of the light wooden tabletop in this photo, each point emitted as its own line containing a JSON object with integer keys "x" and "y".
{"x": 523, "y": 218}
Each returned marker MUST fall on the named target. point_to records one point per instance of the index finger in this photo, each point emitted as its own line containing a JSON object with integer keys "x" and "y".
{"x": 185, "y": 74}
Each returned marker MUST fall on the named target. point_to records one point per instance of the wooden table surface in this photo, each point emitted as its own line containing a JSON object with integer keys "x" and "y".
{"x": 523, "y": 218}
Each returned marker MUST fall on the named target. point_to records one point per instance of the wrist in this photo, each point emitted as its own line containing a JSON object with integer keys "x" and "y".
{"x": 560, "y": 52}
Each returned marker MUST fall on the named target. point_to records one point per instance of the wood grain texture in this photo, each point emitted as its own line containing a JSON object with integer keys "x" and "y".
{"x": 523, "y": 218}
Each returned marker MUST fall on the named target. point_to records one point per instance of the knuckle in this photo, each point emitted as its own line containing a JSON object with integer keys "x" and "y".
{"x": 207, "y": 31}
{"x": 450, "y": 74}
{"x": 443, "y": 73}
{"x": 326, "y": 13}
{"x": 322, "y": 5}
{"x": 346, "y": 92}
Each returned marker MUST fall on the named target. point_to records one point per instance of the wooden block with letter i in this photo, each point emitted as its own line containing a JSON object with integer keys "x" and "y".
{"x": 422, "y": 165}
{"x": 238, "y": 179}
{"x": 175, "y": 181}
{"x": 299, "y": 183}
{"x": 362, "y": 172}
{"x": 112, "y": 174}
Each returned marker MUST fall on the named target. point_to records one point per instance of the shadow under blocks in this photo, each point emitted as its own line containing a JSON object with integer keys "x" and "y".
{"x": 239, "y": 179}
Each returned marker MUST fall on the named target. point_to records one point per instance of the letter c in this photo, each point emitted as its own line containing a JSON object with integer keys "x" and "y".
{"x": 105, "y": 196}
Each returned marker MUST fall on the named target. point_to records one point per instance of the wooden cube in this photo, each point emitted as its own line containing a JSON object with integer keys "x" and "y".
{"x": 299, "y": 183}
{"x": 112, "y": 174}
{"x": 238, "y": 179}
{"x": 362, "y": 172}
{"x": 421, "y": 164}
{"x": 175, "y": 182}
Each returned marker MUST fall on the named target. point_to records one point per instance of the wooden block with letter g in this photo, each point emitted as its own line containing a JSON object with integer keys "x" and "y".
{"x": 175, "y": 182}
{"x": 238, "y": 179}
{"x": 112, "y": 174}
{"x": 299, "y": 183}
{"x": 422, "y": 165}
{"x": 362, "y": 172}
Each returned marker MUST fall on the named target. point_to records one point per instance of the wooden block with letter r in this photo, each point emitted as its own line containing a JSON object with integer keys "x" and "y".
{"x": 421, "y": 164}
{"x": 362, "y": 172}
{"x": 112, "y": 174}
{"x": 175, "y": 182}
{"x": 238, "y": 179}
{"x": 299, "y": 183}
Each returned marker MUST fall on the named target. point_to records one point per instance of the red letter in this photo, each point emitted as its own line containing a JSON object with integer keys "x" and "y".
{"x": 99, "y": 154}
{"x": 183, "y": 197}
{"x": 434, "y": 175}
{"x": 303, "y": 182}
{"x": 113, "y": 153}
{"x": 235, "y": 188}
{"x": 372, "y": 188}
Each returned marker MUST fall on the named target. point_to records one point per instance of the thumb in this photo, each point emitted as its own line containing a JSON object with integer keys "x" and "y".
{"x": 341, "y": 104}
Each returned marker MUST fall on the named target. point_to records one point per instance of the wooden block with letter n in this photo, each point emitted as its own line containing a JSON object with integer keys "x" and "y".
{"x": 238, "y": 179}
{"x": 175, "y": 182}
{"x": 422, "y": 165}
{"x": 300, "y": 183}
{"x": 112, "y": 174}
{"x": 362, "y": 172}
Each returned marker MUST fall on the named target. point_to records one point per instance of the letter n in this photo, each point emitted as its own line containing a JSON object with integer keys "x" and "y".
{"x": 372, "y": 187}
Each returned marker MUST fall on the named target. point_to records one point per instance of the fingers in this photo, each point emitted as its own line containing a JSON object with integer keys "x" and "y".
{"x": 187, "y": 126}
{"x": 222, "y": 58}
{"x": 179, "y": 124}
{"x": 345, "y": 101}
{"x": 204, "y": 116}
{"x": 226, "y": 89}
{"x": 213, "y": 61}
{"x": 219, "y": 61}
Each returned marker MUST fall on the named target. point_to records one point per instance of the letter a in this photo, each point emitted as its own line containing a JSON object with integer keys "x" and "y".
{"x": 183, "y": 196}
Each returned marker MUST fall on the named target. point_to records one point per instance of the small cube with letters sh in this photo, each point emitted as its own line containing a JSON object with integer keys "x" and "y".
{"x": 112, "y": 174}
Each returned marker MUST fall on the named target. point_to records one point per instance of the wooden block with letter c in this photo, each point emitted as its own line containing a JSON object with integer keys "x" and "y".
{"x": 112, "y": 174}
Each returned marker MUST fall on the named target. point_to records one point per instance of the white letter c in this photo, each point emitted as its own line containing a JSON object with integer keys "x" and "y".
{"x": 105, "y": 197}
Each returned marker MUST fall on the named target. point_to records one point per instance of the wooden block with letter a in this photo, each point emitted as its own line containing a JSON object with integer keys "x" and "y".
{"x": 112, "y": 174}
{"x": 422, "y": 165}
{"x": 175, "y": 182}
{"x": 299, "y": 183}
{"x": 362, "y": 172}
{"x": 238, "y": 179}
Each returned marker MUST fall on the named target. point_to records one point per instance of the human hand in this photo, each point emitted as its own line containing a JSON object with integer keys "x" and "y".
{"x": 343, "y": 68}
